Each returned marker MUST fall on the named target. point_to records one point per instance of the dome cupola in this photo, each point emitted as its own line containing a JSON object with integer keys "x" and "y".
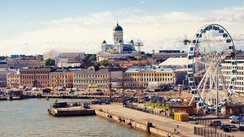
{"x": 118, "y": 28}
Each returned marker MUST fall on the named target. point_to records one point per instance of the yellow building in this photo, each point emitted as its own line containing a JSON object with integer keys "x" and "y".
{"x": 13, "y": 80}
{"x": 149, "y": 76}
{"x": 61, "y": 79}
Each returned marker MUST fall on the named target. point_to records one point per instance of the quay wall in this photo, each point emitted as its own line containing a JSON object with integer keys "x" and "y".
{"x": 134, "y": 124}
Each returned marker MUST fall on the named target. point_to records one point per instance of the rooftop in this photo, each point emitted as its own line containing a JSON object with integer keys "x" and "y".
{"x": 149, "y": 68}
{"x": 175, "y": 62}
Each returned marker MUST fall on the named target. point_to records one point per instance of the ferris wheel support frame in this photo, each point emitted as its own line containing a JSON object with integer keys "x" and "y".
{"x": 214, "y": 80}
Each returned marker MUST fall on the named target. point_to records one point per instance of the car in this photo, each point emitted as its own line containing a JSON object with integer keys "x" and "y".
{"x": 224, "y": 126}
{"x": 34, "y": 89}
{"x": 234, "y": 128}
{"x": 215, "y": 124}
{"x": 234, "y": 119}
{"x": 27, "y": 88}
{"x": 60, "y": 88}
{"x": 141, "y": 100}
{"x": 46, "y": 90}
{"x": 229, "y": 128}
{"x": 179, "y": 100}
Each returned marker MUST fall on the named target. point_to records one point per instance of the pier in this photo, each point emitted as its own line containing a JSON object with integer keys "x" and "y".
{"x": 153, "y": 124}
{"x": 71, "y": 111}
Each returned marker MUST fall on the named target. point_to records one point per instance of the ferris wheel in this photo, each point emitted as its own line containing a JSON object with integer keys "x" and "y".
{"x": 211, "y": 46}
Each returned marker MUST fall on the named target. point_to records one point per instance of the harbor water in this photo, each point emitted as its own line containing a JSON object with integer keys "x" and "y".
{"x": 27, "y": 118}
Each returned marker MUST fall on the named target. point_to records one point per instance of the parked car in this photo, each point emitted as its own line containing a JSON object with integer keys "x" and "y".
{"x": 229, "y": 128}
{"x": 215, "y": 124}
{"x": 61, "y": 89}
{"x": 234, "y": 119}
{"x": 141, "y": 100}
{"x": 27, "y": 88}
{"x": 224, "y": 126}
{"x": 34, "y": 89}
{"x": 234, "y": 128}
{"x": 46, "y": 90}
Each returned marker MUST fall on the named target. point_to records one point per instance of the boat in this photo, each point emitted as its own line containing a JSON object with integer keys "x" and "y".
{"x": 73, "y": 109}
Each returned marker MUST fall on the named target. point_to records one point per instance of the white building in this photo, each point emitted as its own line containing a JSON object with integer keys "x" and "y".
{"x": 119, "y": 49}
{"x": 69, "y": 59}
{"x": 227, "y": 68}
{"x": 65, "y": 59}
{"x": 64, "y": 62}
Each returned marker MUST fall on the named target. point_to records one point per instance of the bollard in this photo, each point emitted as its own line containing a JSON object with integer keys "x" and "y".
{"x": 148, "y": 125}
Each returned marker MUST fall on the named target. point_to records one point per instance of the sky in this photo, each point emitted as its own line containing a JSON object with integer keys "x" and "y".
{"x": 36, "y": 27}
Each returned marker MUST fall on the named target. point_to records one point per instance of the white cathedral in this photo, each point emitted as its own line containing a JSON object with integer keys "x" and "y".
{"x": 117, "y": 50}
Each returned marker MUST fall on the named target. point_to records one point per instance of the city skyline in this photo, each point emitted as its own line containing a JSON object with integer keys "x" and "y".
{"x": 29, "y": 27}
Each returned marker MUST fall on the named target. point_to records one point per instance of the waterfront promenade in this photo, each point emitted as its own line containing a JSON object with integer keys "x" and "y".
{"x": 165, "y": 124}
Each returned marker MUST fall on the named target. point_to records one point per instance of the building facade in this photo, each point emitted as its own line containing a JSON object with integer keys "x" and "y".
{"x": 61, "y": 79}
{"x": 13, "y": 80}
{"x": 4, "y": 72}
{"x": 130, "y": 63}
{"x": 69, "y": 59}
{"x": 91, "y": 78}
{"x": 147, "y": 76}
{"x": 22, "y": 63}
{"x": 165, "y": 54}
{"x": 228, "y": 66}
{"x": 34, "y": 77}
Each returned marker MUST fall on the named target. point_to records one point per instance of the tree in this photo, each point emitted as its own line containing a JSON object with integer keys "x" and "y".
{"x": 89, "y": 58}
{"x": 50, "y": 62}
{"x": 92, "y": 57}
{"x": 104, "y": 63}
{"x": 101, "y": 63}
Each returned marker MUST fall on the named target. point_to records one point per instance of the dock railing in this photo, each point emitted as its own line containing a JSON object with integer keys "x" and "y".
{"x": 209, "y": 132}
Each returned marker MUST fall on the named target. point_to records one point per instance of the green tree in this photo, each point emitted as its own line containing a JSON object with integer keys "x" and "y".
{"x": 89, "y": 58}
{"x": 104, "y": 63}
{"x": 101, "y": 63}
{"x": 92, "y": 57}
{"x": 50, "y": 62}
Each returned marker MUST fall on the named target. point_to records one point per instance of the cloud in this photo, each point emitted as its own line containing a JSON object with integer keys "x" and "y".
{"x": 157, "y": 30}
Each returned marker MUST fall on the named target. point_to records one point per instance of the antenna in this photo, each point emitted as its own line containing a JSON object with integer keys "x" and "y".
{"x": 139, "y": 44}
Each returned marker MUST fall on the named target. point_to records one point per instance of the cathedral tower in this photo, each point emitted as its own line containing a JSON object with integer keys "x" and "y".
{"x": 118, "y": 34}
